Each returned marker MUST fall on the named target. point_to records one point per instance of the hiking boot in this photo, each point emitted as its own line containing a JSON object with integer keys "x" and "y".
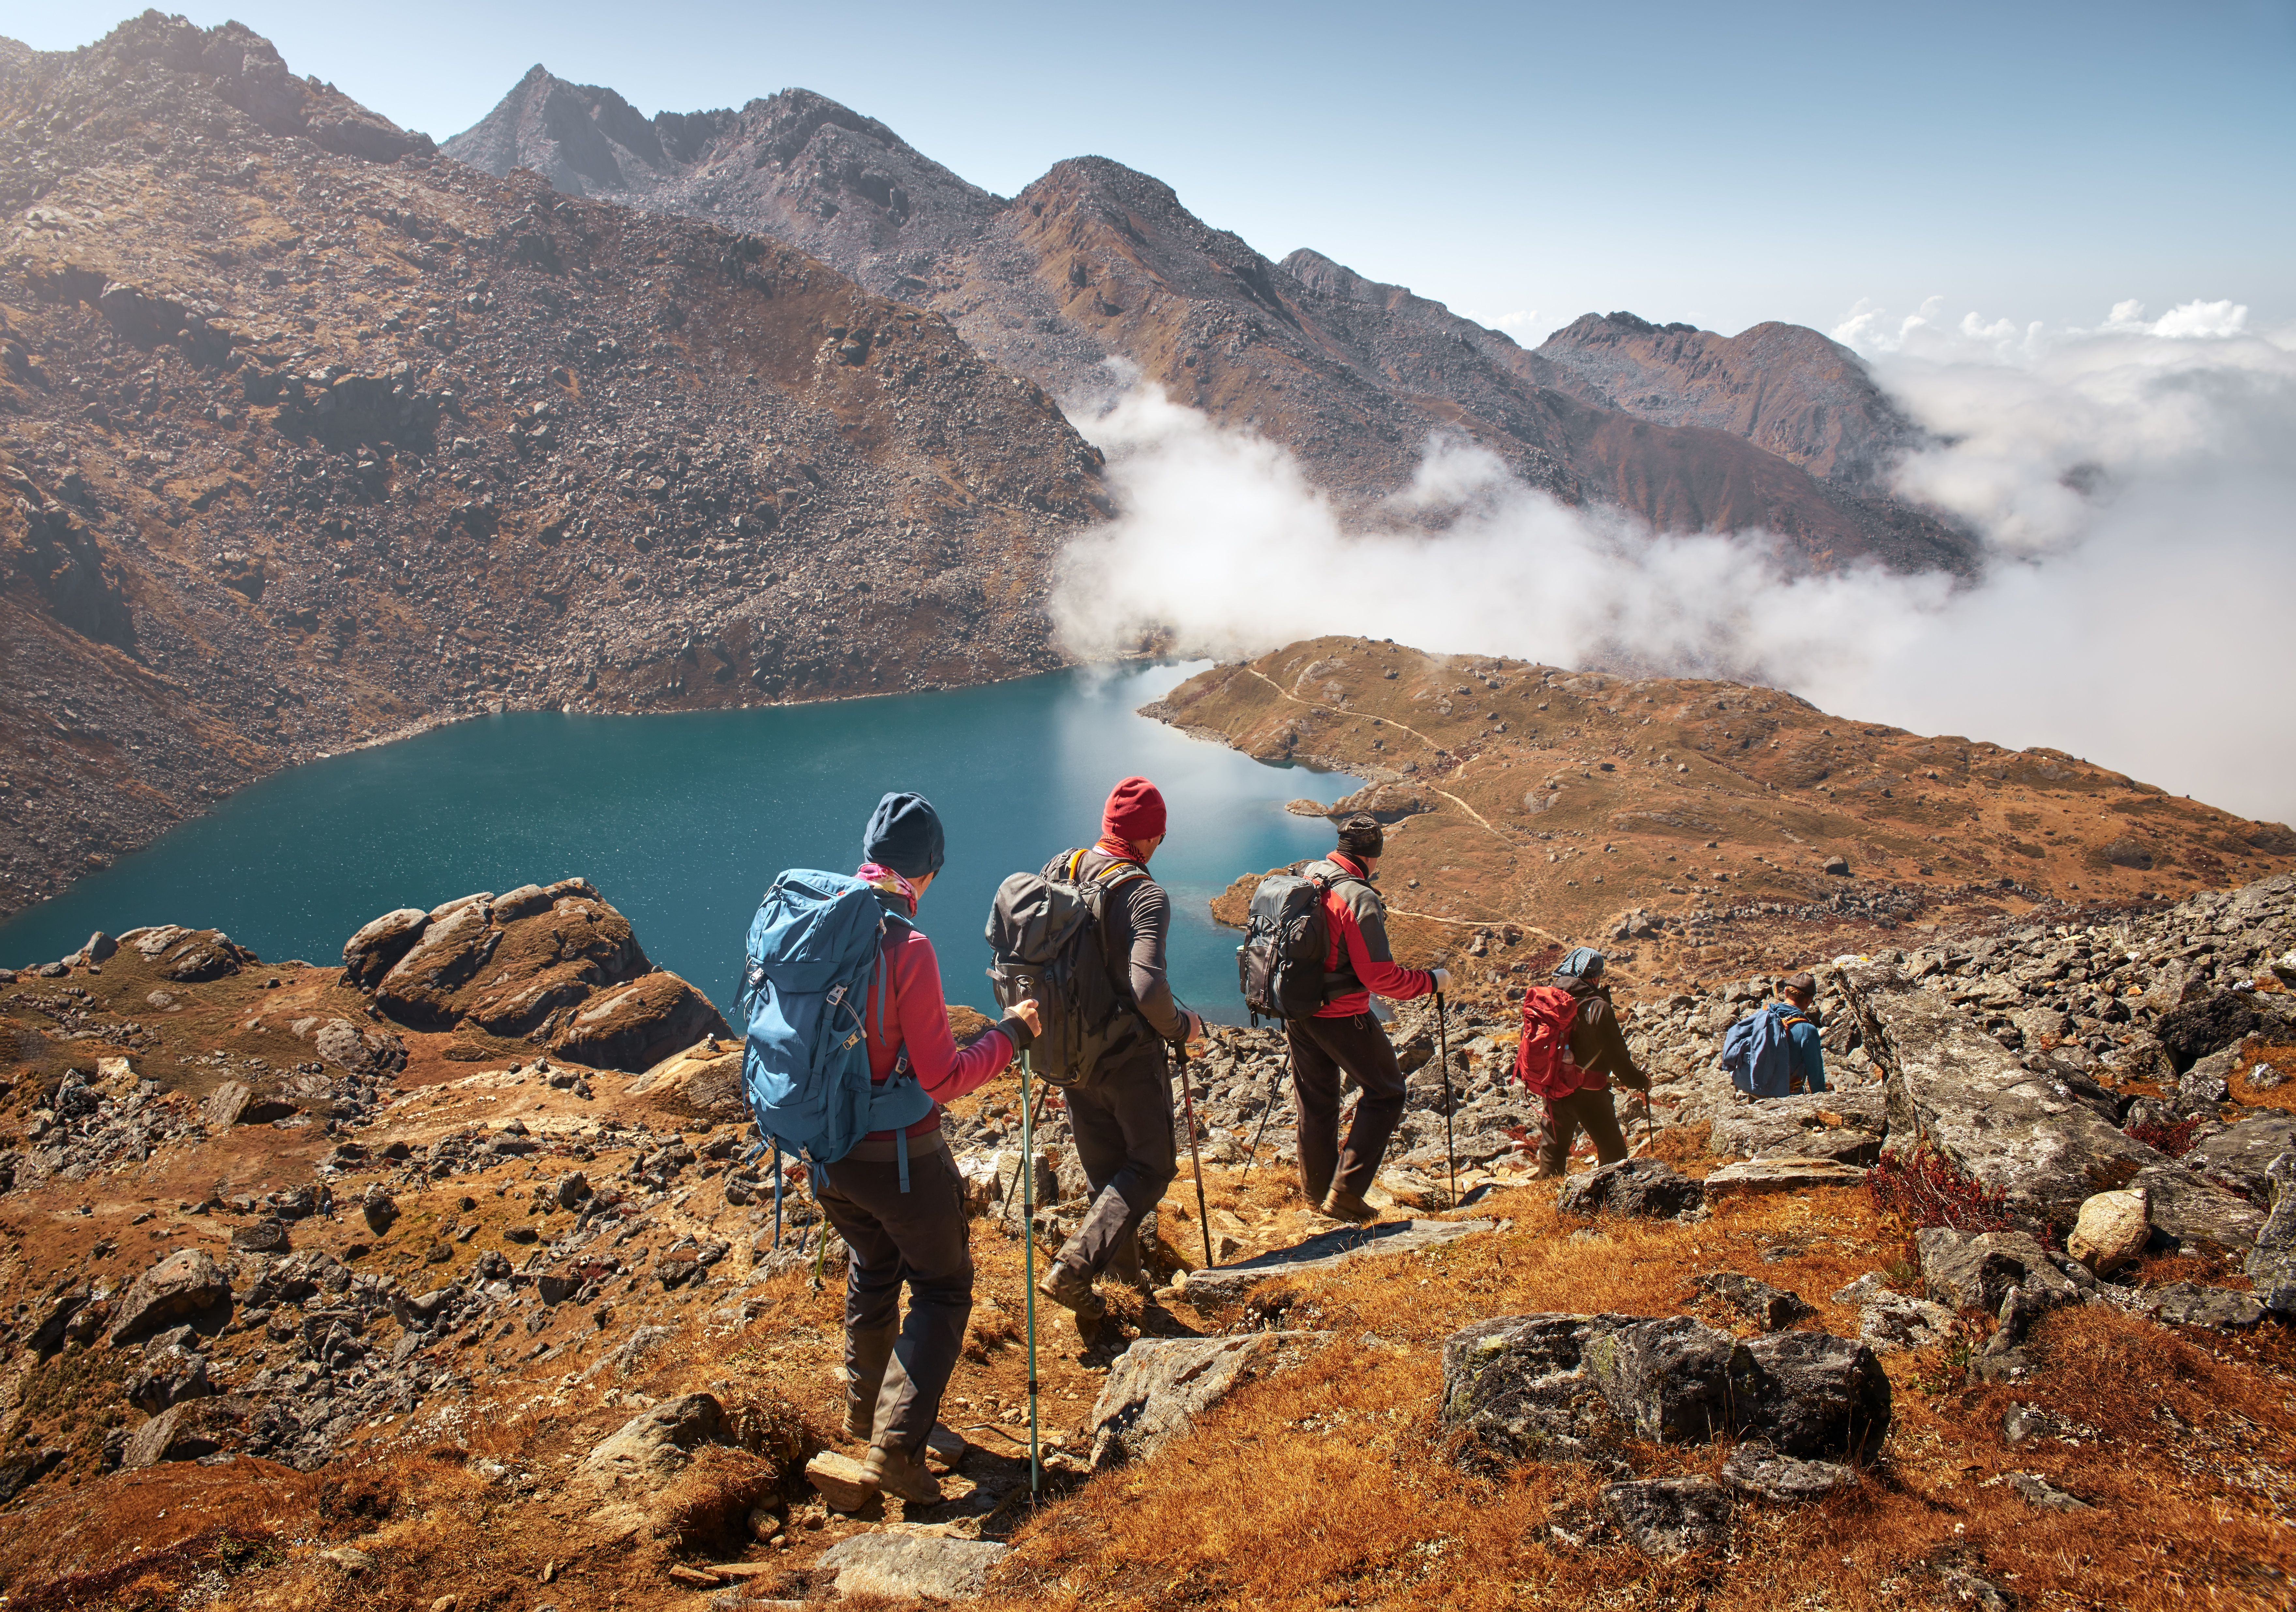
{"x": 1344, "y": 1204}
{"x": 897, "y": 1473}
{"x": 1072, "y": 1291}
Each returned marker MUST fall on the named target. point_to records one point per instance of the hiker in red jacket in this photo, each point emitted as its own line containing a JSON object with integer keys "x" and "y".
{"x": 1343, "y": 1035}
{"x": 896, "y": 1372}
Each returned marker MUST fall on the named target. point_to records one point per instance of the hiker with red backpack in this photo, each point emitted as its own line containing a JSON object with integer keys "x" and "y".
{"x": 1120, "y": 1102}
{"x": 1571, "y": 1044}
{"x": 1342, "y": 1035}
{"x": 848, "y": 1059}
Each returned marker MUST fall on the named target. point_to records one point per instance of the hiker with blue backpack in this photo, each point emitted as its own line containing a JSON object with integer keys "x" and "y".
{"x": 848, "y": 1059}
{"x": 1775, "y": 1050}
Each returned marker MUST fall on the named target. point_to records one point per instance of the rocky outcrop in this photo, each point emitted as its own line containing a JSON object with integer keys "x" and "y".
{"x": 1159, "y": 1387}
{"x": 1574, "y": 1386}
{"x": 186, "y": 1285}
{"x": 554, "y": 965}
{"x": 1950, "y": 1086}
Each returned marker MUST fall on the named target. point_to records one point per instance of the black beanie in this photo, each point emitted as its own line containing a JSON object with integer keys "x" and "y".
{"x": 1360, "y": 835}
{"x": 904, "y": 834}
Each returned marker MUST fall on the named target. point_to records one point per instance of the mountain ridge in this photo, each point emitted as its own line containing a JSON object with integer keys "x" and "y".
{"x": 1095, "y": 260}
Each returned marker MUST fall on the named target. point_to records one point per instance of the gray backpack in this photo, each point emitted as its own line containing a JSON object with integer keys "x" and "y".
{"x": 1047, "y": 940}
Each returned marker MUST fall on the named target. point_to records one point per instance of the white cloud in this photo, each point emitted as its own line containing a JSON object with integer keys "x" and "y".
{"x": 2135, "y": 484}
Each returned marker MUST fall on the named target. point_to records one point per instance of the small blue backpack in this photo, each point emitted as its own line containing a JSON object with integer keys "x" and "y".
{"x": 1757, "y": 1053}
{"x": 811, "y": 974}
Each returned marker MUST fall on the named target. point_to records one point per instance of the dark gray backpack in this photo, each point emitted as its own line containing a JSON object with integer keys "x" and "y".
{"x": 1280, "y": 965}
{"x": 1047, "y": 940}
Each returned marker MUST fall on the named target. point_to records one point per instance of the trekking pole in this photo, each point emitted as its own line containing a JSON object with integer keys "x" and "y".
{"x": 1188, "y": 1108}
{"x": 1029, "y": 1270}
{"x": 1275, "y": 1091}
{"x": 1443, "y": 1046}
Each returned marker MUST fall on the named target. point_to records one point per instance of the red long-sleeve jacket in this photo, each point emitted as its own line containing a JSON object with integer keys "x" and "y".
{"x": 914, "y": 1017}
{"x": 1356, "y": 919}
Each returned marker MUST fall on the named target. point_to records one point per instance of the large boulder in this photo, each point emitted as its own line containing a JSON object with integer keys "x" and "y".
{"x": 188, "y": 1431}
{"x": 1844, "y": 1126}
{"x": 1159, "y": 1387}
{"x": 2194, "y": 1030}
{"x": 1975, "y": 1270}
{"x": 699, "y": 1082}
{"x": 2272, "y": 1263}
{"x": 369, "y": 955}
{"x": 2241, "y": 1154}
{"x": 1952, "y": 1087}
{"x": 189, "y": 956}
{"x": 1579, "y": 1387}
{"x": 1648, "y": 1188}
{"x": 184, "y": 1286}
{"x": 553, "y": 964}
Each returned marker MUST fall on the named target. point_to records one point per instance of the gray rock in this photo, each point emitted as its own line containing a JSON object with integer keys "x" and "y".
{"x": 573, "y": 1188}
{"x": 1780, "y": 1175}
{"x": 1156, "y": 1388}
{"x": 100, "y": 947}
{"x": 1671, "y": 1516}
{"x": 654, "y": 1445}
{"x": 2272, "y": 1264}
{"x": 188, "y": 1431}
{"x": 1846, "y": 1126}
{"x": 379, "y": 1209}
{"x": 1677, "y": 1380}
{"x": 349, "y": 1559}
{"x": 1646, "y": 1188}
{"x": 1897, "y": 1321}
{"x": 1949, "y": 1085}
{"x": 1759, "y": 1472}
{"x": 1515, "y": 1390}
{"x": 2241, "y": 1155}
{"x": 224, "y": 1106}
{"x": 186, "y": 1284}
{"x": 2186, "y": 1304}
{"x": 1224, "y": 1284}
{"x": 1817, "y": 1394}
{"x": 2042, "y": 1495}
{"x": 1975, "y": 1270}
{"x": 909, "y": 1567}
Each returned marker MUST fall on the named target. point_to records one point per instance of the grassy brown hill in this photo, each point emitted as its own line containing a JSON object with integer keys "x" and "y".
{"x": 310, "y": 435}
{"x": 1096, "y": 261}
{"x": 1566, "y": 803}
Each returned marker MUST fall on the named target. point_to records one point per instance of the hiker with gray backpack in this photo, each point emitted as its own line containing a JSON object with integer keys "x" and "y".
{"x": 1085, "y": 936}
{"x": 848, "y": 1059}
{"x": 1315, "y": 952}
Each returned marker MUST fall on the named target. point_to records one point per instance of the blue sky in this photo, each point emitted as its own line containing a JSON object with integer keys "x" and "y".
{"x": 1717, "y": 164}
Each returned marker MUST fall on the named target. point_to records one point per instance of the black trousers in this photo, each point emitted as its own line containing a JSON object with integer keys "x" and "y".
{"x": 1121, "y": 1121}
{"x": 1565, "y": 1116}
{"x": 899, "y": 1370}
{"x": 1320, "y": 1049}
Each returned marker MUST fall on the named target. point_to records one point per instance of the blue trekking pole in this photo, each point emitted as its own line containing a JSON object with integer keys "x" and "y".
{"x": 1028, "y": 1268}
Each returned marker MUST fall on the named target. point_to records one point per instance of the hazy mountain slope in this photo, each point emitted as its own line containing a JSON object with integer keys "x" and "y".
{"x": 1095, "y": 260}
{"x": 311, "y": 436}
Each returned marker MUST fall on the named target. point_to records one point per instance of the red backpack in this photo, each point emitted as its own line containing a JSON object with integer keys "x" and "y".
{"x": 1542, "y": 1058}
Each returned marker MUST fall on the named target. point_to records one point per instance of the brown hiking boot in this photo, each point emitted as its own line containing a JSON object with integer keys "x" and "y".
{"x": 896, "y": 1473}
{"x": 1072, "y": 1291}
{"x": 1344, "y": 1204}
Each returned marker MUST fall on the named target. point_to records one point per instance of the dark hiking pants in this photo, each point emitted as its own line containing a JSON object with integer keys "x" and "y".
{"x": 1321, "y": 1048}
{"x": 1121, "y": 1121}
{"x": 1565, "y": 1117}
{"x": 895, "y": 1370}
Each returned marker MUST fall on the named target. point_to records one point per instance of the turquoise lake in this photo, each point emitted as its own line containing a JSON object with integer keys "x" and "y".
{"x": 683, "y": 820}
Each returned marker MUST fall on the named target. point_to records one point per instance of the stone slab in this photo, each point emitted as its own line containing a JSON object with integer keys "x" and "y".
{"x": 1224, "y": 1284}
{"x": 1782, "y": 1175}
{"x": 908, "y": 1567}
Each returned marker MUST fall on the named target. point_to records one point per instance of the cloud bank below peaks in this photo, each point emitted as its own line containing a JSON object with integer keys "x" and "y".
{"x": 2136, "y": 486}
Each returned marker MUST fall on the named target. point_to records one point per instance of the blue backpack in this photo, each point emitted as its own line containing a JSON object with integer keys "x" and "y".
{"x": 809, "y": 977}
{"x": 1757, "y": 1053}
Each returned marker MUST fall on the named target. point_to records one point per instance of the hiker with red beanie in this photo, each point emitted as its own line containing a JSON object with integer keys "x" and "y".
{"x": 1344, "y": 1035}
{"x": 1120, "y": 1118}
{"x": 904, "y": 1222}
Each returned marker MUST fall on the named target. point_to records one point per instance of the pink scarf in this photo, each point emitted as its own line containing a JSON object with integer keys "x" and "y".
{"x": 885, "y": 878}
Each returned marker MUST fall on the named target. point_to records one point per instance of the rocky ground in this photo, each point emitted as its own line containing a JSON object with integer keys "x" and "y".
{"x": 311, "y": 436}
{"x": 450, "y": 1272}
{"x": 1778, "y": 429}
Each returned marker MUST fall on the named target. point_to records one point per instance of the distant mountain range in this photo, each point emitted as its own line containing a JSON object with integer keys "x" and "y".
{"x": 1777, "y": 428}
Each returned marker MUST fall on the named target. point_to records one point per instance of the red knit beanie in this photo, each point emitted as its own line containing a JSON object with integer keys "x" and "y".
{"x": 1134, "y": 811}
